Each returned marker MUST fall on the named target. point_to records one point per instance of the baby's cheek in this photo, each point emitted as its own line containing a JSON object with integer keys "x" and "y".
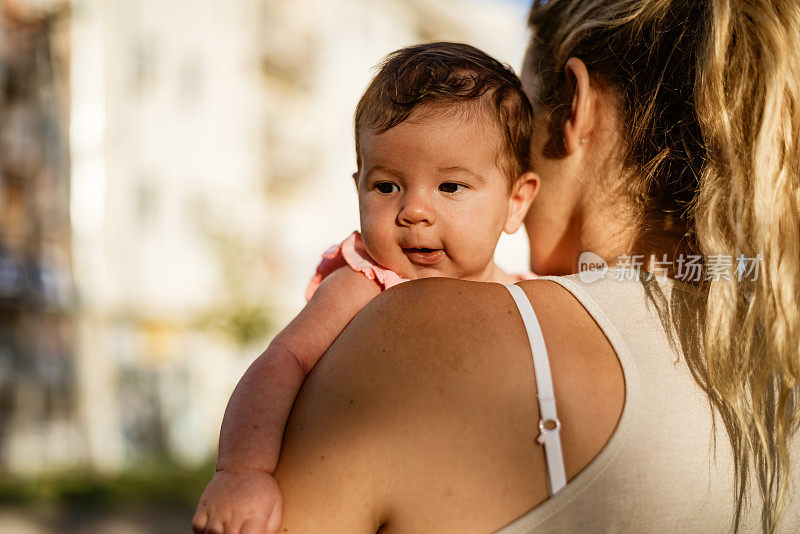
{"x": 474, "y": 246}
{"x": 372, "y": 236}
{"x": 483, "y": 238}
{"x": 378, "y": 242}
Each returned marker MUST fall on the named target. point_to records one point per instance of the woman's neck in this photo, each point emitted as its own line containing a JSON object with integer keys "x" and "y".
{"x": 620, "y": 238}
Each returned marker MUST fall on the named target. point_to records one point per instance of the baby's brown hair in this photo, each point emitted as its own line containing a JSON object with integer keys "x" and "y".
{"x": 449, "y": 73}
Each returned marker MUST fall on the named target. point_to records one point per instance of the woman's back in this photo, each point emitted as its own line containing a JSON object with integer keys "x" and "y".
{"x": 666, "y": 467}
{"x": 442, "y": 435}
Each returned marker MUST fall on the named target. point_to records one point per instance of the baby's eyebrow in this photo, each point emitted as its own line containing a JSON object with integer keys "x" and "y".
{"x": 388, "y": 170}
{"x": 462, "y": 169}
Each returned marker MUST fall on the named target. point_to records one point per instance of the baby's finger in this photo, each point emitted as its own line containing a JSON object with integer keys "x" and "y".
{"x": 215, "y": 526}
{"x": 255, "y": 525}
{"x": 233, "y": 525}
{"x": 199, "y": 521}
{"x": 275, "y": 517}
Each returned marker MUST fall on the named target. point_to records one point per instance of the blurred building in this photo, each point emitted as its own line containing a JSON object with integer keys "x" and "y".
{"x": 192, "y": 159}
{"x": 37, "y": 369}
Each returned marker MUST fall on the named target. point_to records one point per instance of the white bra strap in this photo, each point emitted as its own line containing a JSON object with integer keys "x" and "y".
{"x": 549, "y": 425}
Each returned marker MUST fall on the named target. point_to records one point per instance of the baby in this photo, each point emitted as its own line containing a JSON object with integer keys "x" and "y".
{"x": 443, "y": 146}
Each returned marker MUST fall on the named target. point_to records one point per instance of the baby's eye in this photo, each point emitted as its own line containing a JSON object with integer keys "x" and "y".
{"x": 386, "y": 188}
{"x": 451, "y": 187}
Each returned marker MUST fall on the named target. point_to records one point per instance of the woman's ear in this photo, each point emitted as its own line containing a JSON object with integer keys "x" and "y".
{"x": 578, "y": 126}
{"x": 522, "y": 194}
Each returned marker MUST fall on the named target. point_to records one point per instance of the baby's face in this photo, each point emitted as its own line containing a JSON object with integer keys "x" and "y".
{"x": 432, "y": 199}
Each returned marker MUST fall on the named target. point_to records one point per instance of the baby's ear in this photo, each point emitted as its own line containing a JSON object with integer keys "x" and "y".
{"x": 523, "y": 192}
{"x": 355, "y": 178}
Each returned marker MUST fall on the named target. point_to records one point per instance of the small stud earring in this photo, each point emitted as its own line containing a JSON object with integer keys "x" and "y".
{"x": 585, "y": 140}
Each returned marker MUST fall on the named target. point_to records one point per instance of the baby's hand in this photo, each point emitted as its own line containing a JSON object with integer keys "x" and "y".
{"x": 246, "y": 502}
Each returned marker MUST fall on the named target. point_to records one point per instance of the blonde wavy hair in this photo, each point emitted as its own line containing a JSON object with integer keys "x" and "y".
{"x": 709, "y": 99}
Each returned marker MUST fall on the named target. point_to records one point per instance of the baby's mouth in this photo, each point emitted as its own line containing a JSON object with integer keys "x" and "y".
{"x": 424, "y": 256}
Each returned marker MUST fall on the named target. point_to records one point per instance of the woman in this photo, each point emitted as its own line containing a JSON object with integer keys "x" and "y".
{"x": 662, "y": 127}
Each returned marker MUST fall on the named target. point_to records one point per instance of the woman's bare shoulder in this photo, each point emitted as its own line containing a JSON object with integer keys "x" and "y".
{"x": 431, "y": 388}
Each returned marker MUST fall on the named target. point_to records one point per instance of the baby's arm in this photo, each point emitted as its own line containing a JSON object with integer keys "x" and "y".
{"x": 242, "y": 490}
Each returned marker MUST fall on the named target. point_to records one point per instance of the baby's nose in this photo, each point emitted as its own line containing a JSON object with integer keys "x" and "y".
{"x": 416, "y": 210}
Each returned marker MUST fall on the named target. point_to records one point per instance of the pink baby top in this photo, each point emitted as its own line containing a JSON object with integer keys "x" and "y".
{"x": 352, "y": 253}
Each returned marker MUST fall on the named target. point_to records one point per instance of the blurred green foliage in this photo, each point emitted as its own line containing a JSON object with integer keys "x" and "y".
{"x": 242, "y": 313}
{"x": 162, "y": 484}
{"x": 246, "y": 324}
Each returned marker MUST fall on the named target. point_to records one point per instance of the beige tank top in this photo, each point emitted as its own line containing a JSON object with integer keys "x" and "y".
{"x": 660, "y": 471}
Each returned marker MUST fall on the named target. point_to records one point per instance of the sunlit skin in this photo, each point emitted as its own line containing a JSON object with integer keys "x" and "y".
{"x": 434, "y": 182}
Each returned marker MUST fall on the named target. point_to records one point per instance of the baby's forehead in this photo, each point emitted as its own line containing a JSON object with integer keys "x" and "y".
{"x": 436, "y": 139}
{"x": 453, "y": 119}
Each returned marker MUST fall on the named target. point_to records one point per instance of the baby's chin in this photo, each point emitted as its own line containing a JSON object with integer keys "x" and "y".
{"x": 410, "y": 271}
{"x": 419, "y": 272}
